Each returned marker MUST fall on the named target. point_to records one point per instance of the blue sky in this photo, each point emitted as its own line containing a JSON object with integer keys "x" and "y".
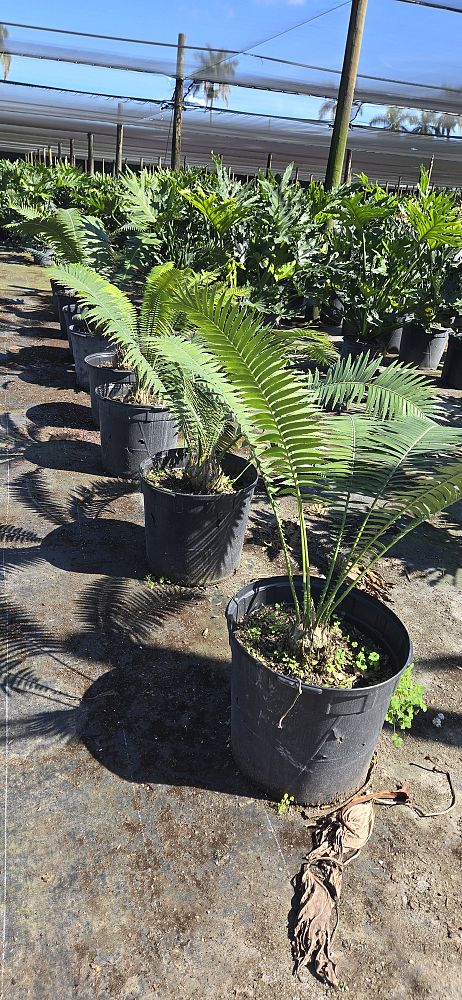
{"x": 401, "y": 41}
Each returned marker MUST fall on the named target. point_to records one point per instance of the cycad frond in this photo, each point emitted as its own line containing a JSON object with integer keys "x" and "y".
{"x": 106, "y": 306}
{"x": 278, "y": 409}
{"x": 397, "y": 391}
{"x": 401, "y": 473}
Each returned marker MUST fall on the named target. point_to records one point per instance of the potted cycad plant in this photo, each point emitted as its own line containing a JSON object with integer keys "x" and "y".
{"x": 135, "y": 423}
{"x": 316, "y": 661}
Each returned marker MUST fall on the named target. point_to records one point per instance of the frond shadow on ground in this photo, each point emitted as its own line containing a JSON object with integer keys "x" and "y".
{"x": 61, "y": 414}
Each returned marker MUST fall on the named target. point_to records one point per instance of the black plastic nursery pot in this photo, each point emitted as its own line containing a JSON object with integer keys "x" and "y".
{"x": 131, "y": 432}
{"x": 420, "y": 348}
{"x": 101, "y": 370}
{"x": 63, "y": 299}
{"x": 351, "y": 348}
{"x": 196, "y": 539}
{"x": 82, "y": 344}
{"x": 316, "y": 745}
{"x": 394, "y": 340}
{"x": 451, "y": 375}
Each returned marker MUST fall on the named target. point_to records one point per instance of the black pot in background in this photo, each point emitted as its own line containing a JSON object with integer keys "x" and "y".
{"x": 131, "y": 433}
{"x": 100, "y": 370}
{"x": 332, "y": 312}
{"x": 63, "y": 299}
{"x": 316, "y": 746}
{"x": 451, "y": 375}
{"x": 192, "y": 538}
{"x": 394, "y": 342}
{"x": 420, "y": 348}
{"x": 350, "y": 348}
{"x": 82, "y": 344}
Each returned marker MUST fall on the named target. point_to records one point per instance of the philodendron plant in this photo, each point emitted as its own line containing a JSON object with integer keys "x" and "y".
{"x": 382, "y": 469}
{"x": 433, "y": 245}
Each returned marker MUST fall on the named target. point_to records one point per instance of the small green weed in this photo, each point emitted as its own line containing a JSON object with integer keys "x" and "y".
{"x": 284, "y": 804}
{"x": 404, "y": 705}
{"x": 153, "y": 581}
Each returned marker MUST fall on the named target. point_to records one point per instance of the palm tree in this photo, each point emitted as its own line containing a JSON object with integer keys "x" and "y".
{"x": 447, "y": 123}
{"x": 393, "y": 119}
{"x": 328, "y": 108}
{"x": 214, "y": 62}
{"x": 425, "y": 123}
{"x": 5, "y": 57}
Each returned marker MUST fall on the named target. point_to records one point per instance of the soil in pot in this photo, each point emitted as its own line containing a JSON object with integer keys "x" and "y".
{"x": 101, "y": 370}
{"x": 195, "y": 538}
{"x": 84, "y": 343}
{"x": 451, "y": 375}
{"x": 131, "y": 432}
{"x": 421, "y": 348}
{"x": 312, "y": 741}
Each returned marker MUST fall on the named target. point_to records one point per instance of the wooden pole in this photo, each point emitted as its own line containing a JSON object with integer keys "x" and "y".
{"x": 119, "y": 147}
{"x": 50, "y": 157}
{"x": 296, "y": 174}
{"x": 59, "y": 151}
{"x": 178, "y": 104}
{"x": 90, "y": 156}
{"x": 72, "y": 152}
{"x": 347, "y": 167}
{"x": 269, "y": 161}
{"x": 346, "y": 93}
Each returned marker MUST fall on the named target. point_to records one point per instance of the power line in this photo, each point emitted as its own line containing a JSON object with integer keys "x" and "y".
{"x": 434, "y": 6}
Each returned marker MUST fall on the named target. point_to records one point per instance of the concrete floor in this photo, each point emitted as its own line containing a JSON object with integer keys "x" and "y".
{"x": 137, "y": 863}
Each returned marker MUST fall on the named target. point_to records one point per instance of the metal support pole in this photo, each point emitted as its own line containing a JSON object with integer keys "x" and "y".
{"x": 119, "y": 147}
{"x": 345, "y": 94}
{"x": 72, "y": 152}
{"x": 90, "y": 156}
{"x": 178, "y": 104}
{"x": 60, "y": 152}
{"x": 269, "y": 161}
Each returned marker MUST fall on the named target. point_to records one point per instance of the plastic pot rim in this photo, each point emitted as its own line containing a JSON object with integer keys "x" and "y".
{"x": 91, "y": 362}
{"x": 82, "y": 333}
{"x": 121, "y": 402}
{"x": 211, "y": 497}
{"x": 255, "y": 585}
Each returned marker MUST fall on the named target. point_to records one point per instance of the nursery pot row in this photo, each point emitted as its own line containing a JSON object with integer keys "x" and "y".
{"x": 315, "y": 743}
